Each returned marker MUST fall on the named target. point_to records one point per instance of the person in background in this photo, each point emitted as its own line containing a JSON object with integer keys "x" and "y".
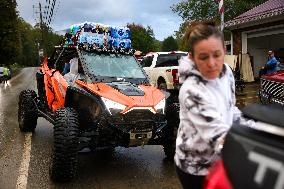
{"x": 66, "y": 68}
{"x": 207, "y": 103}
{"x": 1, "y": 73}
{"x": 6, "y": 74}
{"x": 271, "y": 64}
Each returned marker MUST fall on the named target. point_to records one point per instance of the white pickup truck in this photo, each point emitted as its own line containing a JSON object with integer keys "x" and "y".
{"x": 162, "y": 69}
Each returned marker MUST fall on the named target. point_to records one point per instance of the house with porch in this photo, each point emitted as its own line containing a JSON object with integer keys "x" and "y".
{"x": 257, "y": 31}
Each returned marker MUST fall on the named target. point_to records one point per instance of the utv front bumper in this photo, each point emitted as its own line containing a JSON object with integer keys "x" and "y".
{"x": 135, "y": 128}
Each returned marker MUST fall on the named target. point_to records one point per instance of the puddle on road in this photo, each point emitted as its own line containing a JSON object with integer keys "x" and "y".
{"x": 248, "y": 96}
{"x": 243, "y": 101}
{"x": 120, "y": 168}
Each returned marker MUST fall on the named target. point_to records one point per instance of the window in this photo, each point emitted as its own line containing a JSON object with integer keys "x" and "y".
{"x": 113, "y": 65}
{"x": 147, "y": 61}
{"x": 167, "y": 60}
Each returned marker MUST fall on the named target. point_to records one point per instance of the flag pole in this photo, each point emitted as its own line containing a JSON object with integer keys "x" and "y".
{"x": 222, "y": 21}
{"x": 221, "y": 11}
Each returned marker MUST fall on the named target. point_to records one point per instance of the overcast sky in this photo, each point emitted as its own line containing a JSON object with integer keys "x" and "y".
{"x": 155, "y": 13}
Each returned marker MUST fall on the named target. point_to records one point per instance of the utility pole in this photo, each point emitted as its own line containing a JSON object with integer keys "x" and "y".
{"x": 221, "y": 11}
{"x": 43, "y": 21}
{"x": 40, "y": 42}
{"x": 222, "y": 21}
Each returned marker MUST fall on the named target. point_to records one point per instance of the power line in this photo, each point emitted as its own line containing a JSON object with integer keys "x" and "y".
{"x": 51, "y": 11}
{"x": 48, "y": 12}
{"x": 58, "y": 4}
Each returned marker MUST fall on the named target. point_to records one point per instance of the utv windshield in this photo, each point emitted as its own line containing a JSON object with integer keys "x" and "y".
{"x": 112, "y": 65}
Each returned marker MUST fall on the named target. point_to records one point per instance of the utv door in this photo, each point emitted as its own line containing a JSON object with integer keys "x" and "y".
{"x": 55, "y": 84}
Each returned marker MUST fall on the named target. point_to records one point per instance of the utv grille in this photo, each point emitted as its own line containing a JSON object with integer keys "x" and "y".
{"x": 272, "y": 88}
{"x": 140, "y": 114}
{"x": 136, "y": 121}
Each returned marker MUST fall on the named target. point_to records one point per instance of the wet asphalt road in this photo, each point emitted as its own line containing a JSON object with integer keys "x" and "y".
{"x": 249, "y": 95}
{"x": 25, "y": 158}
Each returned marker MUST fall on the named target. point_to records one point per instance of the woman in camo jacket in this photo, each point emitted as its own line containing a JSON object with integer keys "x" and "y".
{"x": 207, "y": 103}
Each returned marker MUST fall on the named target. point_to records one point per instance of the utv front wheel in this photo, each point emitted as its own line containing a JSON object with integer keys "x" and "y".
{"x": 170, "y": 132}
{"x": 65, "y": 148}
{"x": 27, "y": 112}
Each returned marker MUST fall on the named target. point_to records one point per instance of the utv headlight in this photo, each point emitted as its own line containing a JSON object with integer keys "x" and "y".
{"x": 160, "y": 107}
{"x": 113, "y": 107}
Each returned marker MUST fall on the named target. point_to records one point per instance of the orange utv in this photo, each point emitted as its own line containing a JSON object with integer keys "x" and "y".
{"x": 103, "y": 101}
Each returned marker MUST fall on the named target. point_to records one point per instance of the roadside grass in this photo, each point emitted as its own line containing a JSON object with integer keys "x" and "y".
{"x": 15, "y": 68}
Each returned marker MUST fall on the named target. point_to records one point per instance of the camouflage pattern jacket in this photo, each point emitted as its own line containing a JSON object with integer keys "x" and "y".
{"x": 207, "y": 111}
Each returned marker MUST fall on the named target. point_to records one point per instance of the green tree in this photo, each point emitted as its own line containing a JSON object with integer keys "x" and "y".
{"x": 190, "y": 10}
{"x": 19, "y": 40}
{"x": 47, "y": 38}
{"x": 158, "y": 45}
{"x": 169, "y": 44}
{"x": 10, "y": 45}
{"x": 207, "y": 9}
{"x": 31, "y": 38}
{"x": 28, "y": 43}
{"x": 142, "y": 38}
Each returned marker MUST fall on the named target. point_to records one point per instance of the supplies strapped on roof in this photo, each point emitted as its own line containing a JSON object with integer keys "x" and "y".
{"x": 97, "y": 36}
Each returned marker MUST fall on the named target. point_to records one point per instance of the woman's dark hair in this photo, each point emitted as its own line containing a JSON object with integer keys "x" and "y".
{"x": 200, "y": 30}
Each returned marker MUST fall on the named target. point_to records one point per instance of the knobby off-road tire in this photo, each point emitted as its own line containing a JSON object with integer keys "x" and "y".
{"x": 65, "y": 148}
{"x": 170, "y": 131}
{"x": 27, "y": 111}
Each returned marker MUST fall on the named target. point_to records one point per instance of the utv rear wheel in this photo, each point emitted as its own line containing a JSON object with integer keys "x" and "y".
{"x": 170, "y": 132}
{"x": 65, "y": 148}
{"x": 27, "y": 111}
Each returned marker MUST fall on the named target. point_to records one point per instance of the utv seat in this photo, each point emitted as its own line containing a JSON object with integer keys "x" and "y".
{"x": 74, "y": 73}
{"x": 71, "y": 75}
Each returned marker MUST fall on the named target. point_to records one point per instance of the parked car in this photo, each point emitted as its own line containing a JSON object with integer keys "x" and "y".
{"x": 272, "y": 88}
{"x": 252, "y": 157}
{"x": 162, "y": 69}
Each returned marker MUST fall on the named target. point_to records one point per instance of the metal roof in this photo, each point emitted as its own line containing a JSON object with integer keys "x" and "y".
{"x": 269, "y": 9}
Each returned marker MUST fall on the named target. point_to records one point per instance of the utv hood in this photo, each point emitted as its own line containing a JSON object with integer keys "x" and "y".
{"x": 127, "y": 88}
{"x": 127, "y": 94}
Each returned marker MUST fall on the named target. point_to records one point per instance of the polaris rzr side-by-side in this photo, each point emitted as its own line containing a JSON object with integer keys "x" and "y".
{"x": 104, "y": 101}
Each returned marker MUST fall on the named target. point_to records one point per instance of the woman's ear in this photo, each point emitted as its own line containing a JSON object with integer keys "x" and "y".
{"x": 190, "y": 56}
{"x": 225, "y": 49}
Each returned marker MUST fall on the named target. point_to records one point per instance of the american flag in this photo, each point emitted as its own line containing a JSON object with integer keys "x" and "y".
{"x": 221, "y": 11}
{"x": 221, "y": 5}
